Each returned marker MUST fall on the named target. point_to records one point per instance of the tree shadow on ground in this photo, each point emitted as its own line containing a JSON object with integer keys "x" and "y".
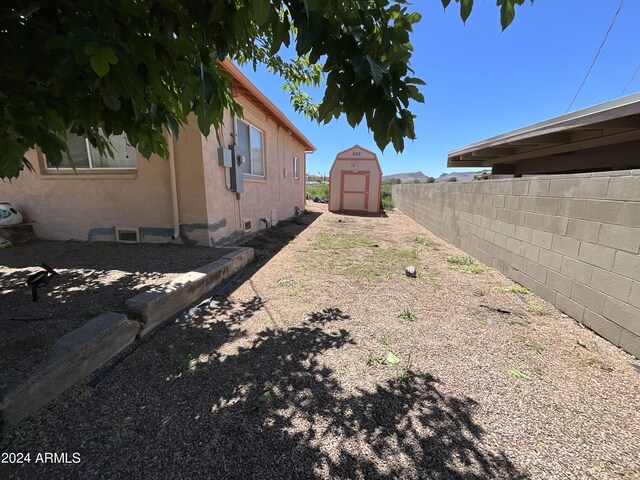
{"x": 222, "y": 396}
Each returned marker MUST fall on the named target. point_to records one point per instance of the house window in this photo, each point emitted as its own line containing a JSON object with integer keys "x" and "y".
{"x": 251, "y": 146}
{"x": 86, "y": 156}
{"x": 296, "y": 171}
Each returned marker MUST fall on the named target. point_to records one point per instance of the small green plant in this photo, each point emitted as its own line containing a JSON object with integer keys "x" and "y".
{"x": 407, "y": 314}
{"x": 427, "y": 242}
{"x": 536, "y": 309}
{"x": 535, "y": 346}
{"x": 318, "y": 190}
{"x": 286, "y": 282}
{"x": 261, "y": 401}
{"x": 386, "y": 200}
{"x": 405, "y": 375}
{"x": 518, "y": 374}
{"x": 464, "y": 264}
{"x": 383, "y": 340}
{"x": 519, "y": 289}
{"x": 371, "y": 360}
{"x": 193, "y": 363}
{"x": 478, "y": 293}
{"x": 459, "y": 260}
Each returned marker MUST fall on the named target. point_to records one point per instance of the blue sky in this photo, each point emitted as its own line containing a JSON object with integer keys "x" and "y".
{"x": 483, "y": 82}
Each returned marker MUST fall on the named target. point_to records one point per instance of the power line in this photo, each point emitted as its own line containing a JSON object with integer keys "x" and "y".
{"x": 633, "y": 77}
{"x": 604, "y": 40}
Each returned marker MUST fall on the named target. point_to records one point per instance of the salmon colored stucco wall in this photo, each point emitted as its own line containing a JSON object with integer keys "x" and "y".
{"x": 278, "y": 192}
{"x": 366, "y": 161}
{"x": 87, "y": 206}
{"x": 90, "y": 205}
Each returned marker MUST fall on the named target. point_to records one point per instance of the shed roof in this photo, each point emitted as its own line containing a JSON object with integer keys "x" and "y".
{"x": 609, "y": 123}
{"x": 248, "y": 89}
{"x": 372, "y": 158}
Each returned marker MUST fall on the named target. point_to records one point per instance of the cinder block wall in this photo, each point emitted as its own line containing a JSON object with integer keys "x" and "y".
{"x": 572, "y": 239}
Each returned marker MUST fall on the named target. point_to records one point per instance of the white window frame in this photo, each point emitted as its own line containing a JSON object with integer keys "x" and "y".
{"x": 264, "y": 155}
{"x": 296, "y": 167}
{"x": 87, "y": 146}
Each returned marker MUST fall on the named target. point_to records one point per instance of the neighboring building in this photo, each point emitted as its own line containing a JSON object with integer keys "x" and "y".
{"x": 202, "y": 195}
{"x": 605, "y": 137}
{"x": 355, "y": 182}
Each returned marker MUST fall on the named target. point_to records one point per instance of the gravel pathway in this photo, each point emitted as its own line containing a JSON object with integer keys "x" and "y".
{"x": 328, "y": 362}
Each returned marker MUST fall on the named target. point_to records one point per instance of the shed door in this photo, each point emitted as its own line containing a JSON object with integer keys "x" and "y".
{"x": 355, "y": 191}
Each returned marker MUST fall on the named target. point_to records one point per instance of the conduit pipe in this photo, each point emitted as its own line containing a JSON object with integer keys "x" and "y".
{"x": 174, "y": 186}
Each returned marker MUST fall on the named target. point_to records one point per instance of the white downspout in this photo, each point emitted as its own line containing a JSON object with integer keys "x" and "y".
{"x": 174, "y": 187}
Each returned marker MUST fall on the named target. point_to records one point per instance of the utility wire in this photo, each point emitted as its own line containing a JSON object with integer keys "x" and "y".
{"x": 604, "y": 40}
{"x": 633, "y": 77}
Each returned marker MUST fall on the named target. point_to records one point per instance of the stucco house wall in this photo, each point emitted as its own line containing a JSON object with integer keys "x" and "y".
{"x": 273, "y": 197}
{"x": 90, "y": 205}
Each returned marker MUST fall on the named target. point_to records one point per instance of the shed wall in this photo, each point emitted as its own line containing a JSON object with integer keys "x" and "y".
{"x": 572, "y": 239}
{"x": 344, "y": 162}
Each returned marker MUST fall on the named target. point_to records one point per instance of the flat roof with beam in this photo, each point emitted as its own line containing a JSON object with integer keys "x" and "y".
{"x": 603, "y": 137}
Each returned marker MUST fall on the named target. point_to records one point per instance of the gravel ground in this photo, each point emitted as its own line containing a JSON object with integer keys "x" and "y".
{"x": 307, "y": 370}
{"x": 94, "y": 278}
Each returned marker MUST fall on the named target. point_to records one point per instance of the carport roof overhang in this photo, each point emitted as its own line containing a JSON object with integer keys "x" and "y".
{"x": 603, "y": 125}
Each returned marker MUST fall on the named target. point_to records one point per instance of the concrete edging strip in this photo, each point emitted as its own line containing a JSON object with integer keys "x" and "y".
{"x": 155, "y": 308}
{"x": 78, "y": 354}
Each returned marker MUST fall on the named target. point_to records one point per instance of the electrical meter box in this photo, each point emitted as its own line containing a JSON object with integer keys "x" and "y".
{"x": 237, "y": 174}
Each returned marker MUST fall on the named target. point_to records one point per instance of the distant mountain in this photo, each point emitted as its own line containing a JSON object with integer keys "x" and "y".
{"x": 421, "y": 177}
{"x": 406, "y": 177}
{"x": 460, "y": 176}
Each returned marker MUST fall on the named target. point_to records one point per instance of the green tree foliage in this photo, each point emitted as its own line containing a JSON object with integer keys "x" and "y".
{"x": 452, "y": 179}
{"x": 507, "y": 9}
{"x": 98, "y": 68}
{"x": 431, "y": 180}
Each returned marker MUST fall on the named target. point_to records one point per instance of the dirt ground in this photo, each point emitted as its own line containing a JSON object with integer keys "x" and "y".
{"x": 94, "y": 278}
{"x": 328, "y": 362}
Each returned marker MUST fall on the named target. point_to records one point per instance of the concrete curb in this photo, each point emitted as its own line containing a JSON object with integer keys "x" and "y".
{"x": 84, "y": 350}
{"x": 155, "y": 308}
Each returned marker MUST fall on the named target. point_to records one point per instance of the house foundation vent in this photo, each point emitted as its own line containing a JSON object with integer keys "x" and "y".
{"x": 247, "y": 225}
{"x": 127, "y": 235}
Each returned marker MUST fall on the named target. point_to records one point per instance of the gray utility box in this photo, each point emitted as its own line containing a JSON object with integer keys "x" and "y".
{"x": 231, "y": 158}
{"x": 225, "y": 157}
{"x": 237, "y": 175}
